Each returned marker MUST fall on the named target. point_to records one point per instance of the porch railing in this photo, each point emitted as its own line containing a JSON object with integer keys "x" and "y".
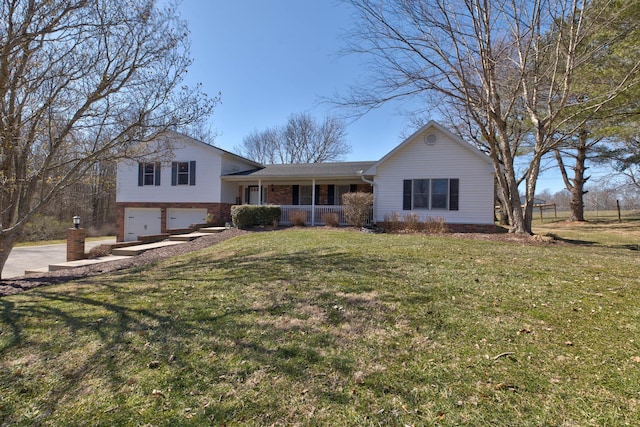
{"x": 319, "y": 211}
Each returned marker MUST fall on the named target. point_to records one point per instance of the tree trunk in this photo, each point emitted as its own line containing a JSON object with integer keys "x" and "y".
{"x": 577, "y": 189}
{"x": 7, "y": 240}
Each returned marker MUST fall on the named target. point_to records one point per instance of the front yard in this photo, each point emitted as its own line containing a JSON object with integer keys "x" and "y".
{"x": 334, "y": 327}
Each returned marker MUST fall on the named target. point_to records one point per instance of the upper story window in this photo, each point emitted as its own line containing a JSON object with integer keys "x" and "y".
{"x": 149, "y": 174}
{"x": 183, "y": 173}
{"x": 431, "y": 194}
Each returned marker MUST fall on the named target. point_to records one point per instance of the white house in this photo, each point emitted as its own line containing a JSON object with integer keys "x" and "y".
{"x": 155, "y": 196}
{"x": 433, "y": 173}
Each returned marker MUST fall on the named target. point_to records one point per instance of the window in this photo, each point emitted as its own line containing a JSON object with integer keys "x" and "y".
{"x": 149, "y": 174}
{"x": 421, "y": 194}
{"x": 439, "y": 192}
{"x": 183, "y": 173}
{"x": 430, "y": 194}
{"x": 301, "y": 195}
{"x": 339, "y": 191}
{"x": 305, "y": 195}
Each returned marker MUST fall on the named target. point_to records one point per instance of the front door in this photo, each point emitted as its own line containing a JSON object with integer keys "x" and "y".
{"x": 254, "y": 195}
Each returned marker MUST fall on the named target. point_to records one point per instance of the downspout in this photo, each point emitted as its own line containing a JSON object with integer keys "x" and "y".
{"x": 373, "y": 185}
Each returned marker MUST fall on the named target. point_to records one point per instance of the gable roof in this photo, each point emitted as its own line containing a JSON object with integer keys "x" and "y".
{"x": 213, "y": 148}
{"x": 306, "y": 170}
{"x": 431, "y": 124}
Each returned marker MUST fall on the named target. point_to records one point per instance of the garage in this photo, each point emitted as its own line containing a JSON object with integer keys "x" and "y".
{"x": 184, "y": 217}
{"x": 140, "y": 222}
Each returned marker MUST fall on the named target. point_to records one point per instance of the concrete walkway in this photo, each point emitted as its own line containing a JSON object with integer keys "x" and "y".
{"x": 36, "y": 257}
{"x": 54, "y": 257}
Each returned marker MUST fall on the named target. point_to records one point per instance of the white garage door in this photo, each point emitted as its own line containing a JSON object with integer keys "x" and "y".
{"x": 183, "y": 217}
{"x": 141, "y": 221}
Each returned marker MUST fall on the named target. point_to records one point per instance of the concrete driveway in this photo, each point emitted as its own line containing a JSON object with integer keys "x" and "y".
{"x": 34, "y": 257}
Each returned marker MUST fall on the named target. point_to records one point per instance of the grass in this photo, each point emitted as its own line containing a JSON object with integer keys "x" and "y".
{"x": 334, "y": 327}
{"x": 601, "y": 229}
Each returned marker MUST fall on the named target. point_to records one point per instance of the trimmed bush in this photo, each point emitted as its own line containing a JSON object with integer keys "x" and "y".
{"x": 298, "y": 218}
{"x": 357, "y": 208}
{"x": 247, "y": 216}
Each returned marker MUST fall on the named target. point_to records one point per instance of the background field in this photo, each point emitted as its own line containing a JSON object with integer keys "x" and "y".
{"x": 336, "y": 327}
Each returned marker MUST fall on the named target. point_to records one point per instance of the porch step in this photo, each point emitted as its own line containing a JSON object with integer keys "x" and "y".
{"x": 138, "y": 249}
{"x": 212, "y": 229}
{"x": 187, "y": 237}
{"x": 84, "y": 262}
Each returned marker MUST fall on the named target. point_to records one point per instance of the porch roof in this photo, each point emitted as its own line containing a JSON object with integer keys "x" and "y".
{"x": 303, "y": 171}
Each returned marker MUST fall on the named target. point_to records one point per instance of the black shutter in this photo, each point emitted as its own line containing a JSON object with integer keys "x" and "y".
{"x": 157, "y": 172}
{"x": 406, "y": 194}
{"x": 454, "y": 185}
{"x": 353, "y": 188}
{"x": 295, "y": 194}
{"x": 140, "y": 174}
{"x": 317, "y": 195}
{"x": 331, "y": 195}
{"x": 192, "y": 172}
{"x": 174, "y": 173}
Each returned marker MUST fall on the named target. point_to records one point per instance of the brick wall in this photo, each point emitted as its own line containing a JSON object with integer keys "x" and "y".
{"x": 75, "y": 243}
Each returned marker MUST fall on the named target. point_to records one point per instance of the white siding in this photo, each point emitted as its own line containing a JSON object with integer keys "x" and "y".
{"x": 211, "y": 163}
{"x": 446, "y": 159}
{"x": 229, "y": 190}
{"x": 207, "y": 188}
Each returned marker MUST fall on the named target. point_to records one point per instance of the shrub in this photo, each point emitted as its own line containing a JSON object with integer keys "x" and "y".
{"x": 331, "y": 219}
{"x": 357, "y": 208}
{"x": 298, "y": 218}
{"x": 246, "y": 216}
{"x": 99, "y": 251}
{"x": 436, "y": 225}
{"x": 45, "y": 227}
{"x": 412, "y": 222}
{"x": 393, "y": 222}
{"x": 108, "y": 229}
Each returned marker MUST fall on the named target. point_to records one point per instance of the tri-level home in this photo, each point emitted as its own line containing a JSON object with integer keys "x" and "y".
{"x": 433, "y": 173}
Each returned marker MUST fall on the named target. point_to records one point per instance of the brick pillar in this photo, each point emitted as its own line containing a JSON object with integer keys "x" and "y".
{"x": 75, "y": 243}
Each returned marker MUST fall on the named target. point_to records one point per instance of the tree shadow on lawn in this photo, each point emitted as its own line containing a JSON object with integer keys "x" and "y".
{"x": 124, "y": 336}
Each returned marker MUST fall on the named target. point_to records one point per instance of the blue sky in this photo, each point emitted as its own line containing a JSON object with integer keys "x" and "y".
{"x": 273, "y": 58}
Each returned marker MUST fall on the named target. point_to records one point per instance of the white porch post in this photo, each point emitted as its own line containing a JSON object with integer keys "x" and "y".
{"x": 313, "y": 202}
{"x": 259, "y": 192}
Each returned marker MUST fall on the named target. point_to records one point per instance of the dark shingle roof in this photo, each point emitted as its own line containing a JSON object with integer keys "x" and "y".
{"x": 308, "y": 170}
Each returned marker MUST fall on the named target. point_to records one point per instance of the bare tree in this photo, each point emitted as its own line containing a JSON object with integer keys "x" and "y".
{"x": 83, "y": 82}
{"x": 499, "y": 60}
{"x": 262, "y": 147}
{"x": 300, "y": 140}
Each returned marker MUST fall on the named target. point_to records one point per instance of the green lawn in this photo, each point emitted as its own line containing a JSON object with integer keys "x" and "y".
{"x": 334, "y": 328}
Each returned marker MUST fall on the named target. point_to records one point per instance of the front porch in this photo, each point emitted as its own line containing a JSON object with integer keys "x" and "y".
{"x": 315, "y": 214}
{"x": 315, "y": 189}
{"x": 315, "y": 200}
